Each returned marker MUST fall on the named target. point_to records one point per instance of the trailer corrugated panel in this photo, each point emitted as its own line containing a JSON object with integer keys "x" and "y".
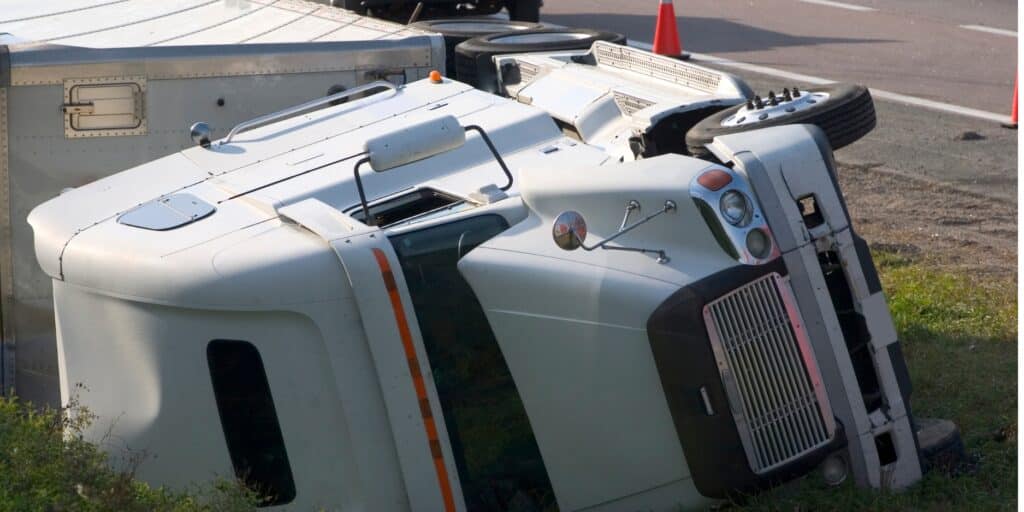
{"x": 92, "y": 87}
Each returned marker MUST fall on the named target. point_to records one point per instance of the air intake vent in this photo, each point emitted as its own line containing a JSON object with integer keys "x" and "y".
{"x": 769, "y": 372}
{"x": 629, "y": 104}
{"x": 527, "y": 72}
{"x": 655, "y": 66}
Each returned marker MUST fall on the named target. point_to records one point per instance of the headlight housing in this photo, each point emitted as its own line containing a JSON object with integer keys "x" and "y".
{"x": 725, "y": 199}
{"x": 735, "y": 207}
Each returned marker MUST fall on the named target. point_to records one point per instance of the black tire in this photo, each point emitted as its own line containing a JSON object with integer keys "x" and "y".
{"x": 524, "y": 10}
{"x": 847, "y": 115}
{"x": 941, "y": 446}
{"x": 457, "y": 30}
{"x": 473, "y": 57}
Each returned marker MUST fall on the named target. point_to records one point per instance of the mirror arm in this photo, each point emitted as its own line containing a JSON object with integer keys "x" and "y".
{"x": 632, "y": 205}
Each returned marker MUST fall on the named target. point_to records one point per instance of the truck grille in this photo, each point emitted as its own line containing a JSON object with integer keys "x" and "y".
{"x": 769, "y": 373}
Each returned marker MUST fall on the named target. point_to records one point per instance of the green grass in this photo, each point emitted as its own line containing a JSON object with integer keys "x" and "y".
{"x": 47, "y": 466}
{"x": 959, "y": 335}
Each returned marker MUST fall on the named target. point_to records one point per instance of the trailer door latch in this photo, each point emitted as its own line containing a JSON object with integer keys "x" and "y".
{"x": 78, "y": 108}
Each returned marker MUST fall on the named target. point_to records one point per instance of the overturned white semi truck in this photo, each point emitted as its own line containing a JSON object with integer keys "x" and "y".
{"x": 436, "y": 298}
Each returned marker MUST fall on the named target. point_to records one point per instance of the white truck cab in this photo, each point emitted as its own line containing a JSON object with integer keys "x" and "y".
{"x": 431, "y": 298}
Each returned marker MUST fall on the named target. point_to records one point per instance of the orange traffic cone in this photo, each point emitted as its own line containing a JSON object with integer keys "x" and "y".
{"x": 1013, "y": 110}
{"x": 666, "y": 37}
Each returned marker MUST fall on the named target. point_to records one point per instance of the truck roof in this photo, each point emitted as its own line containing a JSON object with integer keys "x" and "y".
{"x": 79, "y": 234}
{"x": 123, "y": 23}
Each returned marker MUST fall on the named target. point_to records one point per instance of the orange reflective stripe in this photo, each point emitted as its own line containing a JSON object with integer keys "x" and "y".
{"x": 417, "y": 379}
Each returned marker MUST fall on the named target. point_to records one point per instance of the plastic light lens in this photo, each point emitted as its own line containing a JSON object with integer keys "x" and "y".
{"x": 735, "y": 208}
{"x": 714, "y": 179}
{"x": 758, "y": 244}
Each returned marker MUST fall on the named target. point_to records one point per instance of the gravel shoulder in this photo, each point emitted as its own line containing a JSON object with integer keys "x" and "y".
{"x": 953, "y": 229}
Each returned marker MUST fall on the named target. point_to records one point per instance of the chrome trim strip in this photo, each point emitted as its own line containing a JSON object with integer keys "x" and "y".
{"x": 806, "y": 351}
{"x": 41, "y": 64}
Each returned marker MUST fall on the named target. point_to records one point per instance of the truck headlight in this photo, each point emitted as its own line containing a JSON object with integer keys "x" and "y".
{"x": 728, "y": 204}
{"x": 735, "y": 208}
{"x": 758, "y": 243}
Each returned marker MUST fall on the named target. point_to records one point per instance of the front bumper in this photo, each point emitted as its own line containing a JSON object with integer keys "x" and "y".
{"x": 720, "y": 461}
{"x": 843, "y": 313}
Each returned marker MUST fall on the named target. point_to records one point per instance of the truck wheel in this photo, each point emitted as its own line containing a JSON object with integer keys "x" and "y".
{"x": 456, "y": 31}
{"x": 845, "y": 112}
{"x": 473, "y": 57}
{"x": 524, "y": 10}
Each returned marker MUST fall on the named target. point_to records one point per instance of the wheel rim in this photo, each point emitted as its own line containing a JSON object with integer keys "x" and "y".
{"x": 546, "y": 37}
{"x": 477, "y": 27}
{"x": 752, "y": 114}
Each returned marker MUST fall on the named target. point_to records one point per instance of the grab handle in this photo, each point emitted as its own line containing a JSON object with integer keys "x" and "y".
{"x": 291, "y": 111}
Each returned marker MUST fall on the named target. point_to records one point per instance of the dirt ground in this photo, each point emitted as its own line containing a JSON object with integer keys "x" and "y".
{"x": 958, "y": 231}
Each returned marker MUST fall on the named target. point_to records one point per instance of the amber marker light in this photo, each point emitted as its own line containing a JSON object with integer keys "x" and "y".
{"x": 435, "y": 77}
{"x": 714, "y": 179}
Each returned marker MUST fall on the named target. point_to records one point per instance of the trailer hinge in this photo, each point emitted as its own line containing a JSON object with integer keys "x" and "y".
{"x": 395, "y": 75}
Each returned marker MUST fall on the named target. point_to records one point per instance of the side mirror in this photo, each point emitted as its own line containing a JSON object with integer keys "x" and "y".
{"x": 415, "y": 142}
{"x": 569, "y": 230}
{"x": 200, "y": 133}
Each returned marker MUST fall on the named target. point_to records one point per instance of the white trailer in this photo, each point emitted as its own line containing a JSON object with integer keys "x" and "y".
{"x": 433, "y": 298}
{"x": 91, "y": 87}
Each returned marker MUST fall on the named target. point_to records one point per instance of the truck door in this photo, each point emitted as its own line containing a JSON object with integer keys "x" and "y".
{"x": 463, "y": 438}
{"x": 495, "y": 452}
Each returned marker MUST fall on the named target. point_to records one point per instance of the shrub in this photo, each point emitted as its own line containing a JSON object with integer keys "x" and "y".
{"x": 47, "y": 465}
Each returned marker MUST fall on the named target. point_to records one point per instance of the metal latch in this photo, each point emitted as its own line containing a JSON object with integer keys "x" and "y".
{"x": 78, "y": 108}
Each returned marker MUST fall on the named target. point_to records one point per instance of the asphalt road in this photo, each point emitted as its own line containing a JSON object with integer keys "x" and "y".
{"x": 914, "y": 47}
{"x": 917, "y": 48}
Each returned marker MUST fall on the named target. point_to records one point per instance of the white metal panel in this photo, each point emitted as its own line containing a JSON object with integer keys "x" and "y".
{"x": 288, "y": 27}
{"x": 153, "y": 30}
{"x": 159, "y": 398}
{"x": 20, "y": 10}
{"x": 596, "y": 386}
{"x": 99, "y": 19}
{"x": 251, "y": 21}
{"x": 116, "y": 24}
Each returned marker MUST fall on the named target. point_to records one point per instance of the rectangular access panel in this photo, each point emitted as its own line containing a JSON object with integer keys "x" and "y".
{"x": 98, "y": 107}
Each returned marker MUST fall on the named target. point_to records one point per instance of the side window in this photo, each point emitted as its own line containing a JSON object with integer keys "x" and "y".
{"x": 495, "y": 451}
{"x": 249, "y": 420}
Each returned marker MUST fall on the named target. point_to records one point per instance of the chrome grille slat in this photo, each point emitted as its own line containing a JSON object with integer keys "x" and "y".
{"x": 767, "y": 368}
{"x": 779, "y": 345}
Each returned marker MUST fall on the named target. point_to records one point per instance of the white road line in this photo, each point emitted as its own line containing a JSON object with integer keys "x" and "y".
{"x": 990, "y": 30}
{"x": 876, "y": 93}
{"x": 840, "y": 5}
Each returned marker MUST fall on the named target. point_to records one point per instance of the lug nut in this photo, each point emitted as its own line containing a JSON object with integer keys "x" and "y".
{"x": 772, "y": 99}
{"x": 758, "y": 102}
{"x": 796, "y": 92}
{"x": 750, "y": 104}
{"x": 786, "y": 96}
